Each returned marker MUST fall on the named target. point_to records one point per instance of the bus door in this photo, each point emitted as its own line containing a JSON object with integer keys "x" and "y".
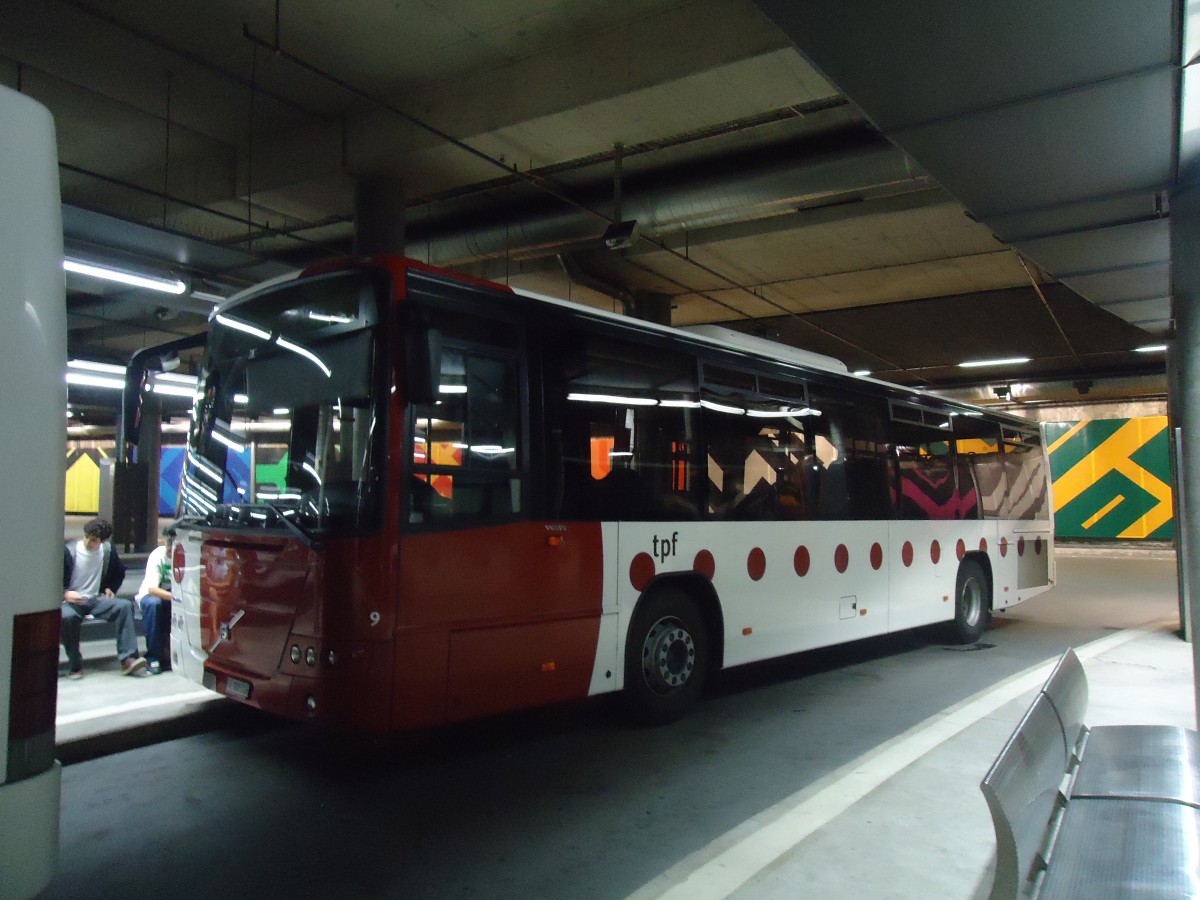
{"x": 506, "y": 605}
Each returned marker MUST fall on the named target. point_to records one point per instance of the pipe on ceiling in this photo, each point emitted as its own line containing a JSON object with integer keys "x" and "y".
{"x": 725, "y": 190}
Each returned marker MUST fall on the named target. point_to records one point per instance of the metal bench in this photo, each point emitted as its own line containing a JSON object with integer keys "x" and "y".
{"x": 1111, "y": 811}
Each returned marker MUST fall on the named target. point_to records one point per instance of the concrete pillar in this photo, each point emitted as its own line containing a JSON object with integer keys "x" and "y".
{"x": 650, "y": 306}
{"x": 378, "y": 215}
{"x": 149, "y": 454}
{"x": 1185, "y": 385}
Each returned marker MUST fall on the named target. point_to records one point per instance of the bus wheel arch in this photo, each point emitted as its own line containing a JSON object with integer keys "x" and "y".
{"x": 671, "y": 648}
{"x": 972, "y": 600}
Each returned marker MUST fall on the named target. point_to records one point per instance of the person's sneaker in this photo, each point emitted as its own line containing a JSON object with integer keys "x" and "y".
{"x": 75, "y": 675}
{"x": 154, "y": 667}
{"x": 132, "y": 664}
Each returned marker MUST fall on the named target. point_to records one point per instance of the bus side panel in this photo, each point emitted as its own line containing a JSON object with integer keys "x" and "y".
{"x": 924, "y": 562}
{"x": 1033, "y": 561}
{"x": 493, "y": 619}
{"x": 783, "y": 588}
{"x": 33, "y": 397}
{"x": 495, "y": 670}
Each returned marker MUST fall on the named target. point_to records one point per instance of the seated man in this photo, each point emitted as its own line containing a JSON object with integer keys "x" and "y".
{"x": 92, "y": 574}
{"x": 154, "y": 598}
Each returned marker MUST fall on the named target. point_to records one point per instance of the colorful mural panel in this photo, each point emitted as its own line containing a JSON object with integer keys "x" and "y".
{"x": 83, "y": 480}
{"x": 1112, "y": 478}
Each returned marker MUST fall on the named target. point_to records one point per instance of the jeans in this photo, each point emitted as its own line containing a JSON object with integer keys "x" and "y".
{"x": 112, "y": 609}
{"x": 156, "y": 620}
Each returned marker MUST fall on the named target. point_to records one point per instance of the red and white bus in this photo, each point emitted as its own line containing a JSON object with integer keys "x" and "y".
{"x": 33, "y": 397}
{"x": 416, "y": 498}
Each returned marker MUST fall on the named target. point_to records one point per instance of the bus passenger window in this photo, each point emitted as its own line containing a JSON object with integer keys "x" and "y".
{"x": 626, "y": 418}
{"x": 981, "y": 481}
{"x": 466, "y": 454}
{"x": 1025, "y": 470}
{"x": 851, "y": 440}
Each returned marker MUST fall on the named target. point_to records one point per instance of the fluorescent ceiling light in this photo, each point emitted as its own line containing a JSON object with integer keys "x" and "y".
{"x": 979, "y": 363}
{"x": 176, "y": 379}
{"x": 100, "y": 381}
{"x": 174, "y": 390}
{"x": 861, "y": 373}
{"x": 95, "y": 366}
{"x": 215, "y": 299}
{"x": 1151, "y": 348}
{"x": 166, "y": 285}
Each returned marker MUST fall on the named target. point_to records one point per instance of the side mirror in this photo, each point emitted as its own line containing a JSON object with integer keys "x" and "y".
{"x": 422, "y": 360}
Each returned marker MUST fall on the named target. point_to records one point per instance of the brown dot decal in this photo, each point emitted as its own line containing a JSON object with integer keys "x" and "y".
{"x": 841, "y": 558}
{"x": 1020, "y": 546}
{"x": 756, "y": 564}
{"x": 960, "y": 549}
{"x": 705, "y": 564}
{"x": 983, "y": 545}
{"x": 1004, "y": 546}
{"x": 906, "y": 554}
{"x": 641, "y": 570}
{"x": 801, "y": 561}
{"x": 935, "y": 552}
{"x": 1037, "y": 546}
{"x": 876, "y": 556}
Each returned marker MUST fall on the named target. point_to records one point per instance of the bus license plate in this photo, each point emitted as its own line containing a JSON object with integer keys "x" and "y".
{"x": 235, "y": 687}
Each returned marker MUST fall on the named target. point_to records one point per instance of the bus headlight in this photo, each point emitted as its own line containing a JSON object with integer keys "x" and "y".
{"x": 295, "y": 654}
{"x": 311, "y": 657}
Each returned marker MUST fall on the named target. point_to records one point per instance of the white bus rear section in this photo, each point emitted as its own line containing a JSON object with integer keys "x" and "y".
{"x": 33, "y": 398}
{"x": 187, "y": 654}
{"x": 789, "y": 587}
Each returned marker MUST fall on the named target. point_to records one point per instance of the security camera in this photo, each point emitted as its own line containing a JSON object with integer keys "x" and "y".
{"x": 620, "y": 235}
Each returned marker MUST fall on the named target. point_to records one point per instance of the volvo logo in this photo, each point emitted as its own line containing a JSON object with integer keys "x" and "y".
{"x": 225, "y": 631}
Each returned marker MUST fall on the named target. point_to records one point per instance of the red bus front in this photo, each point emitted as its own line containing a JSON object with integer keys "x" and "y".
{"x": 319, "y": 578}
{"x": 284, "y": 501}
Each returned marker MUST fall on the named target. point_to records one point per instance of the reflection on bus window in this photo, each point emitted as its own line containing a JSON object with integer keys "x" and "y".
{"x": 626, "y": 423}
{"x": 466, "y": 454}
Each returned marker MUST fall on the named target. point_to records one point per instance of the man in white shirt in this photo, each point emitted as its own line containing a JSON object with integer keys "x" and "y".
{"x": 154, "y": 598}
{"x": 92, "y": 574}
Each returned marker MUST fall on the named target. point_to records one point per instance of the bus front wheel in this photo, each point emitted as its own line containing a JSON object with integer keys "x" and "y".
{"x": 972, "y": 602}
{"x": 666, "y": 657}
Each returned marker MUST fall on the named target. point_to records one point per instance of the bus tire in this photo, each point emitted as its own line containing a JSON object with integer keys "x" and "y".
{"x": 667, "y": 655}
{"x": 972, "y": 603}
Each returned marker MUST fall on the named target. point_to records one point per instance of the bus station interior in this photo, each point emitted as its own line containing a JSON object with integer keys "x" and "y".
{"x": 995, "y": 205}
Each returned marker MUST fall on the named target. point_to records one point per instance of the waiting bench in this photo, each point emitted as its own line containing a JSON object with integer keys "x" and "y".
{"x": 1105, "y": 812}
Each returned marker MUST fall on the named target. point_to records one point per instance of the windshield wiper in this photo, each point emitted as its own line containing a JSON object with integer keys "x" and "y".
{"x": 293, "y": 527}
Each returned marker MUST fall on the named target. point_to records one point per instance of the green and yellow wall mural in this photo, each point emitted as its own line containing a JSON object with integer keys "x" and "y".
{"x": 1112, "y": 478}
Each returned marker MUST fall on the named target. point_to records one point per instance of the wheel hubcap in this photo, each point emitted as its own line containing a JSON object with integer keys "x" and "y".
{"x": 668, "y": 655}
{"x": 972, "y": 601}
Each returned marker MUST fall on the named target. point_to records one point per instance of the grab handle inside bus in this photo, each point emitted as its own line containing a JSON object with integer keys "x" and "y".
{"x": 422, "y": 359}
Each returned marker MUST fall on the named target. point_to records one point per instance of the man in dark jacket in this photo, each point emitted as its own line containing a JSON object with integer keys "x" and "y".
{"x": 92, "y": 574}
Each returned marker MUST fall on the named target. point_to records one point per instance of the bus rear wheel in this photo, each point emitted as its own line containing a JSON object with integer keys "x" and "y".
{"x": 972, "y": 603}
{"x": 666, "y": 657}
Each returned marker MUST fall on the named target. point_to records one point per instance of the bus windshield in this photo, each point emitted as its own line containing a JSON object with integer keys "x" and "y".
{"x": 288, "y": 415}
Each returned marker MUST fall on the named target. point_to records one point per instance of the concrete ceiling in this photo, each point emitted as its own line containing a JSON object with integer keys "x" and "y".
{"x": 903, "y": 186}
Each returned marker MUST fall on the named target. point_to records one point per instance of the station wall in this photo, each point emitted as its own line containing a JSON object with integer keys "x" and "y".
{"x": 1111, "y": 478}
